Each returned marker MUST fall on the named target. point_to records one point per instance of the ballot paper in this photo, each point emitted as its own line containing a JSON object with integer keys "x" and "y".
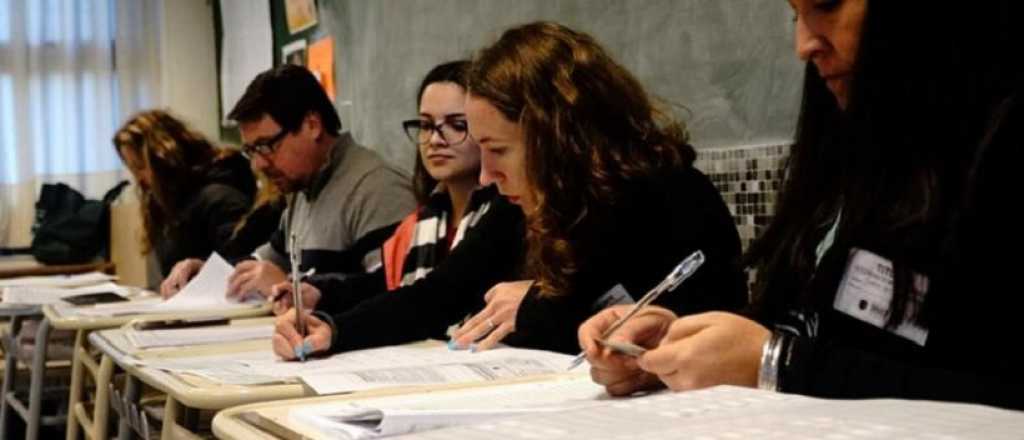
{"x": 409, "y": 366}
{"x": 179, "y": 337}
{"x": 368, "y": 369}
{"x": 727, "y": 412}
{"x": 39, "y": 295}
{"x": 206, "y": 291}
{"x": 386, "y": 416}
{"x": 64, "y": 281}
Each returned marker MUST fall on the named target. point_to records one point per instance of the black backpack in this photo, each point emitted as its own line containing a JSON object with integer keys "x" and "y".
{"x": 70, "y": 229}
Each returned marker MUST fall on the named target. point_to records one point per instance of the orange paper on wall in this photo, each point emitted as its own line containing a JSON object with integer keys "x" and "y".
{"x": 321, "y": 63}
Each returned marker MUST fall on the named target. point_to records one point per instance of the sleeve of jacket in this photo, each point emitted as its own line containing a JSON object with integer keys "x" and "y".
{"x": 490, "y": 253}
{"x": 221, "y": 208}
{"x": 339, "y": 293}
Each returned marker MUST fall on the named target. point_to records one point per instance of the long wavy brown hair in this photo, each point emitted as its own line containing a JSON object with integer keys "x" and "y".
{"x": 178, "y": 158}
{"x": 590, "y": 131}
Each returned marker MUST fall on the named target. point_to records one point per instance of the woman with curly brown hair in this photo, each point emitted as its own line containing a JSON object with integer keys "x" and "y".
{"x": 608, "y": 190}
{"x": 193, "y": 195}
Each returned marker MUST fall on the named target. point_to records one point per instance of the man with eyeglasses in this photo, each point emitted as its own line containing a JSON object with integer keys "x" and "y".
{"x": 345, "y": 201}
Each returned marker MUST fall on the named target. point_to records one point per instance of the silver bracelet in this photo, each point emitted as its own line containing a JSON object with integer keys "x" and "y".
{"x": 768, "y": 373}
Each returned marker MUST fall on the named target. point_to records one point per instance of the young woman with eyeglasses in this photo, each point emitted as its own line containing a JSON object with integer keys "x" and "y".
{"x": 445, "y": 183}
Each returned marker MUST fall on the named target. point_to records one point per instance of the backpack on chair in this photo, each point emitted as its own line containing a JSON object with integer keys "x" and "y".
{"x": 70, "y": 229}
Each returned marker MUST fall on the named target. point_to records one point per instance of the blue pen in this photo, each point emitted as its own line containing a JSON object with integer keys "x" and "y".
{"x": 684, "y": 270}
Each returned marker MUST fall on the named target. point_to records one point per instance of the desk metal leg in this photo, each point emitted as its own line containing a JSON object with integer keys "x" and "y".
{"x": 129, "y": 404}
{"x": 77, "y": 383}
{"x": 10, "y": 371}
{"x": 35, "y": 396}
{"x": 171, "y": 409}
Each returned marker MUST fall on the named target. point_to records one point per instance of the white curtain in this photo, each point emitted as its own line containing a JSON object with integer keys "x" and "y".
{"x": 70, "y": 72}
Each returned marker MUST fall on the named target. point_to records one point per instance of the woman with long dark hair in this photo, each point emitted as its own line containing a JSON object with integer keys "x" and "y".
{"x": 195, "y": 198}
{"x": 880, "y": 274}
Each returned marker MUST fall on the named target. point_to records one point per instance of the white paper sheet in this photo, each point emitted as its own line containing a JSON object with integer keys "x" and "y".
{"x": 205, "y": 292}
{"x": 63, "y": 281}
{"x": 207, "y": 289}
{"x": 247, "y": 48}
{"x": 740, "y": 413}
{"x": 374, "y": 368}
{"x": 52, "y": 295}
{"x": 384, "y": 368}
{"x": 179, "y": 337}
{"x": 384, "y": 416}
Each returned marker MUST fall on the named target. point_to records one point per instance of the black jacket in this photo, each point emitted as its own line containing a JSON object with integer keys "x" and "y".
{"x": 971, "y": 309}
{"x": 210, "y": 214}
{"x": 659, "y": 223}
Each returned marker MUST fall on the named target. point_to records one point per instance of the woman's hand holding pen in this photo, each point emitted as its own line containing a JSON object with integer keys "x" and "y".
{"x": 281, "y": 295}
{"x": 618, "y": 373}
{"x": 708, "y": 349}
{"x": 290, "y": 346}
{"x": 496, "y": 320}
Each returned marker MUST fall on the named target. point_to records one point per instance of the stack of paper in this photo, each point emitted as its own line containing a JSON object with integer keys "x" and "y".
{"x": 180, "y": 337}
{"x": 206, "y": 291}
{"x": 385, "y": 416}
{"x": 740, "y": 413}
{"x": 375, "y": 368}
{"x": 79, "y": 280}
{"x": 38, "y": 295}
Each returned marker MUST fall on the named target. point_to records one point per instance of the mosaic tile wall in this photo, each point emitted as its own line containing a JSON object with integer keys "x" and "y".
{"x": 749, "y": 179}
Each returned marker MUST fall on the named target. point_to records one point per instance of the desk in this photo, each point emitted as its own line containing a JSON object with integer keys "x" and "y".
{"x": 64, "y": 318}
{"x": 231, "y": 423}
{"x": 186, "y": 394}
{"x": 25, "y": 265}
{"x": 8, "y": 400}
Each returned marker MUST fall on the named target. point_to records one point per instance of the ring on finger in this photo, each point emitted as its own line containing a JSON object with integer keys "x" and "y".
{"x": 490, "y": 324}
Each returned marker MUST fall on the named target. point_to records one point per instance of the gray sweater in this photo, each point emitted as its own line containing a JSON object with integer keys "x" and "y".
{"x": 349, "y": 209}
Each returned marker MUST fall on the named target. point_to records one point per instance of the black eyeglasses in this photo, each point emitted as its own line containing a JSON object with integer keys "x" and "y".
{"x": 452, "y": 131}
{"x": 263, "y": 148}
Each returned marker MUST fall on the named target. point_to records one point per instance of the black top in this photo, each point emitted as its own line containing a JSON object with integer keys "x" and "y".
{"x": 208, "y": 219}
{"x": 660, "y": 222}
{"x": 971, "y": 309}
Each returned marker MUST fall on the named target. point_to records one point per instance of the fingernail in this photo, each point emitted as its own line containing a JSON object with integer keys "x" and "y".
{"x": 299, "y": 352}
{"x": 453, "y": 345}
{"x": 473, "y": 348}
{"x": 307, "y": 347}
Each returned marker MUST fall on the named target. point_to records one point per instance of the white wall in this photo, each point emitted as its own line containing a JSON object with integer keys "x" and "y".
{"x": 188, "y": 63}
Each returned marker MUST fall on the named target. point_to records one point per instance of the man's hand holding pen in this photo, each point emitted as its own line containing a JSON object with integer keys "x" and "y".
{"x": 281, "y": 295}
{"x": 289, "y": 345}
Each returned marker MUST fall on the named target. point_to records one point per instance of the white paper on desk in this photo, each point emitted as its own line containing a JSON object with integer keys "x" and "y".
{"x": 231, "y": 369}
{"x": 52, "y": 295}
{"x": 205, "y": 292}
{"x": 734, "y": 412}
{"x": 64, "y": 281}
{"x": 393, "y": 415}
{"x": 208, "y": 289}
{"x": 178, "y": 337}
{"x": 439, "y": 367}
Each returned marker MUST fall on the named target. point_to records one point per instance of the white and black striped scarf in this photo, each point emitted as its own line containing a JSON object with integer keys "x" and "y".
{"x": 429, "y": 242}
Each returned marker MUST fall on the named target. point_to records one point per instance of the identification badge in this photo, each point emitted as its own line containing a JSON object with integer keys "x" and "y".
{"x": 866, "y": 290}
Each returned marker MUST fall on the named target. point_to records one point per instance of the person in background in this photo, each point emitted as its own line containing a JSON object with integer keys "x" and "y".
{"x": 194, "y": 196}
{"x": 344, "y": 199}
